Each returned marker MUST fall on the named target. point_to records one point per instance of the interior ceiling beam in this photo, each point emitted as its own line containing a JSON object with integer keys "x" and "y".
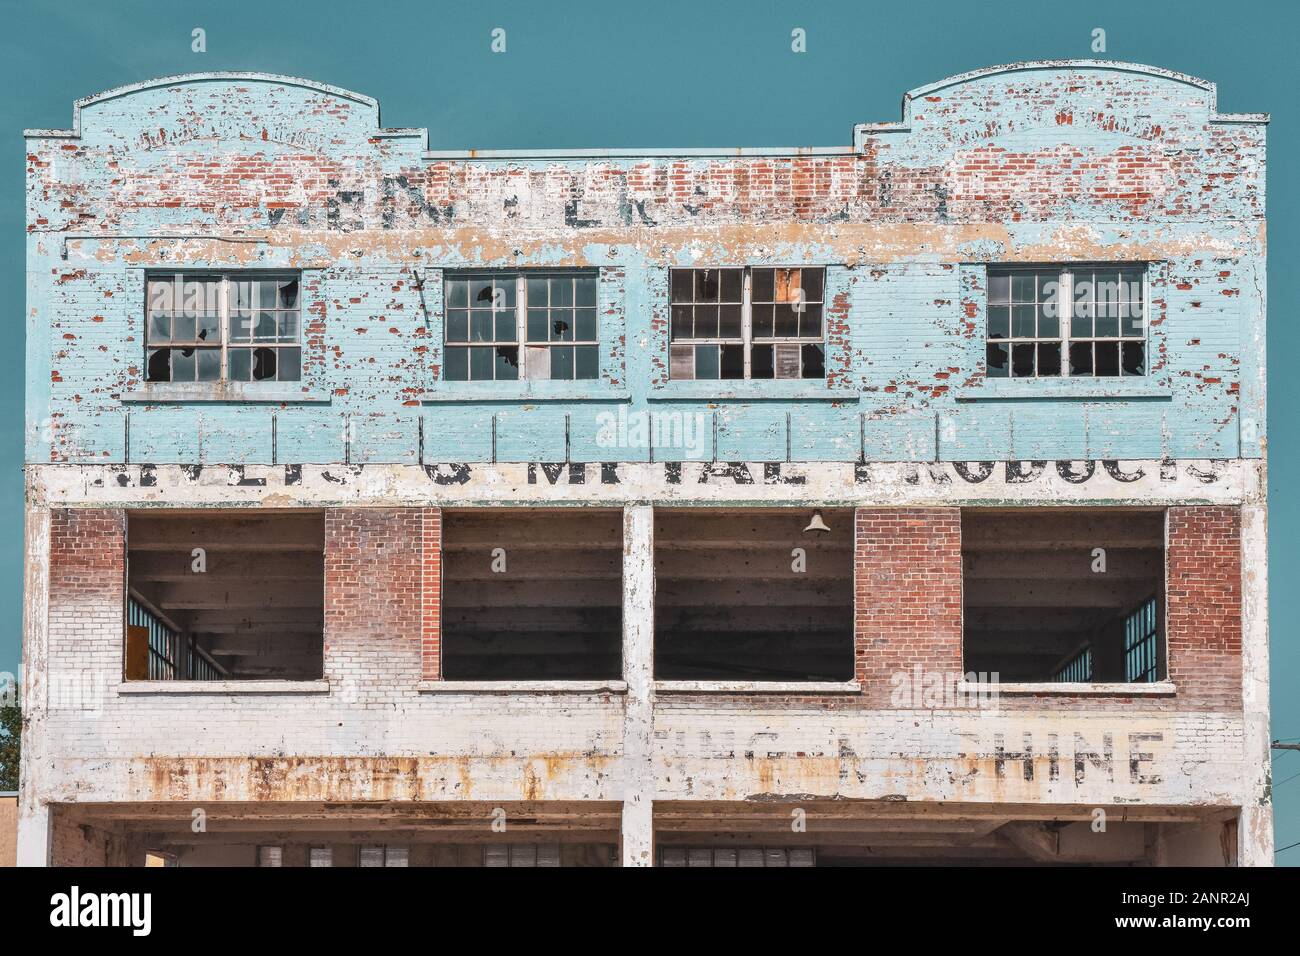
{"x": 983, "y": 530}
{"x": 1101, "y": 592}
{"x": 227, "y": 566}
{"x": 219, "y": 596}
{"x": 1121, "y": 564}
{"x": 229, "y": 530}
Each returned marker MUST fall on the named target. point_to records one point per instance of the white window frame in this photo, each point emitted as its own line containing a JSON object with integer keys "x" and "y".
{"x": 530, "y": 354}
{"x": 1065, "y": 273}
{"x": 224, "y": 320}
{"x": 747, "y": 337}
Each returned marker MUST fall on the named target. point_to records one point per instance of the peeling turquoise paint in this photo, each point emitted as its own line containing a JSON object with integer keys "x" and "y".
{"x": 1043, "y": 162}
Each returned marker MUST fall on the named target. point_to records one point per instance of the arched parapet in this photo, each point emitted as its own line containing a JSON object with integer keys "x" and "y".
{"x": 222, "y": 105}
{"x": 1021, "y": 100}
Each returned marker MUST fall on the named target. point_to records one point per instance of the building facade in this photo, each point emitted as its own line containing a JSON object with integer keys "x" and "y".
{"x": 899, "y": 502}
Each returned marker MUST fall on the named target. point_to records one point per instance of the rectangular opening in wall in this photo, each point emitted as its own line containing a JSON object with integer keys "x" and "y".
{"x": 532, "y": 595}
{"x": 753, "y": 595}
{"x": 1064, "y": 594}
{"x": 225, "y": 596}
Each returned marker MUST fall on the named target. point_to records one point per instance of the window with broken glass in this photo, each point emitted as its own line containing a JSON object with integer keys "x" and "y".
{"x": 512, "y": 325}
{"x": 740, "y": 323}
{"x": 223, "y": 327}
{"x": 1067, "y": 321}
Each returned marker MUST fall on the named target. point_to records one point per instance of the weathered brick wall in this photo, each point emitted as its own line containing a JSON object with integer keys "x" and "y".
{"x": 431, "y": 592}
{"x": 373, "y": 736}
{"x": 1052, "y": 163}
{"x": 77, "y": 844}
{"x": 907, "y": 595}
{"x": 1203, "y": 605}
{"x": 1038, "y": 163}
{"x": 87, "y": 602}
{"x": 373, "y": 600}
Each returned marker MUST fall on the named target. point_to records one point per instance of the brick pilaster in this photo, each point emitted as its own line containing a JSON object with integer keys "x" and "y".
{"x": 373, "y": 601}
{"x": 907, "y": 595}
{"x": 431, "y": 594}
{"x": 1203, "y": 605}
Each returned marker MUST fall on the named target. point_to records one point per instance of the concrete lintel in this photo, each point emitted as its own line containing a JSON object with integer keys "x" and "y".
{"x": 756, "y": 687}
{"x": 522, "y": 687}
{"x": 208, "y": 687}
{"x": 1071, "y": 689}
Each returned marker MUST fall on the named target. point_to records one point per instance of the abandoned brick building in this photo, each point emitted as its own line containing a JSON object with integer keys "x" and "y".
{"x": 899, "y": 502}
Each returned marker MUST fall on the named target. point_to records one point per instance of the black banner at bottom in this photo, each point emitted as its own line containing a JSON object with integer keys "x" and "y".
{"x": 320, "y": 904}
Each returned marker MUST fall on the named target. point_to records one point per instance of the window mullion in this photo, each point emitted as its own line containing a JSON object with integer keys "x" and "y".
{"x": 746, "y": 317}
{"x": 521, "y": 323}
{"x": 1066, "y": 312}
{"x": 224, "y": 319}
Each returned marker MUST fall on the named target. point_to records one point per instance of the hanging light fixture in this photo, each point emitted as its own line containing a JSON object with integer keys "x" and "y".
{"x": 816, "y": 524}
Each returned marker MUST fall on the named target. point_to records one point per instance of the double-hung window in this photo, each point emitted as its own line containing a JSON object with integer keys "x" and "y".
{"x": 1067, "y": 321}
{"x": 512, "y": 325}
{"x": 758, "y": 322}
{"x": 216, "y": 327}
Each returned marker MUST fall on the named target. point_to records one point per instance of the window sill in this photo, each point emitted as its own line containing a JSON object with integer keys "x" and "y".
{"x": 1119, "y": 389}
{"x": 1053, "y": 689}
{"x": 185, "y": 392}
{"x": 756, "y": 687}
{"x": 185, "y": 687}
{"x": 525, "y": 391}
{"x": 764, "y": 390}
{"x": 521, "y": 687}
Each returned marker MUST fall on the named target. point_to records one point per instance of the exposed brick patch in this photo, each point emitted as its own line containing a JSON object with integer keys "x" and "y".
{"x": 87, "y": 551}
{"x": 907, "y": 595}
{"x": 373, "y": 604}
{"x": 1203, "y": 605}
{"x": 431, "y": 593}
{"x": 86, "y": 618}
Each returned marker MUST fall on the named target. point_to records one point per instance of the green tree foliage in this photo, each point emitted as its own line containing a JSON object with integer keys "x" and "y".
{"x": 11, "y": 723}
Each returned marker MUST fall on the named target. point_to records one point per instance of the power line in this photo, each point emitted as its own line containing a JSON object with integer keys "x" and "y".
{"x": 1288, "y": 779}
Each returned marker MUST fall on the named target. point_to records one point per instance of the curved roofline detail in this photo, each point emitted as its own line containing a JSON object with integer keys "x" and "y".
{"x": 1027, "y": 66}
{"x": 860, "y": 130}
{"x": 1117, "y": 66}
{"x": 277, "y": 79}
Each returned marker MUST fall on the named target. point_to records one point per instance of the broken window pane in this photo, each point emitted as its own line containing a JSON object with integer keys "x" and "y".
{"x": 507, "y": 364}
{"x": 783, "y": 304}
{"x": 814, "y": 361}
{"x": 731, "y": 361}
{"x": 1022, "y": 360}
{"x": 1049, "y": 358}
{"x": 1134, "y": 358}
{"x": 159, "y": 365}
{"x": 1106, "y": 355}
{"x": 196, "y": 310}
{"x": 996, "y": 357}
{"x": 264, "y": 364}
{"x": 553, "y": 308}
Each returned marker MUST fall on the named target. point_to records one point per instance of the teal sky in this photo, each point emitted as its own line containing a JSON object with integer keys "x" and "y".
{"x": 668, "y": 73}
